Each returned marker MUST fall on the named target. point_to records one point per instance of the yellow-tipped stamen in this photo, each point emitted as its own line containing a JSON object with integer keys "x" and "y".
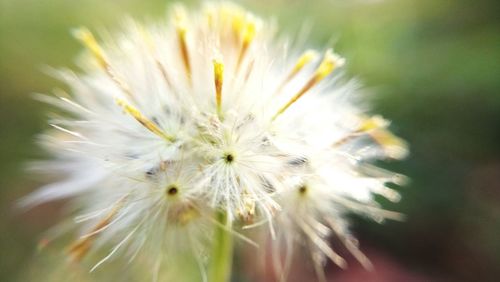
{"x": 131, "y": 110}
{"x": 247, "y": 33}
{"x": 236, "y": 18}
{"x": 329, "y": 63}
{"x": 303, "y": 60}
{"x": 209, "y": 13}
{"x": 80, "y": 247}
{"x": 375, "y": 127}
{"x": 367, "y": 125}
{"x": 89, "y": 41}
{"x": 181, "y": 29}
{"x": 218, "y": 80}
{"x": 393, "y": 146}
{"x": 181, "y": 33}
{"x": 371, "y": 123}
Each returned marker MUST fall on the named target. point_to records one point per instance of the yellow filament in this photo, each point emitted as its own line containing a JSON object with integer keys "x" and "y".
{"x": 247, "y": 32}
{"x": 209, "y": 13}
{"x": 303, "y": 60}
{"x": 375, "y": 127}
{"x": 89, "y": 41}
{"x": 386, "y": 139}
{"x": 371, "y": 123}
{"x": 134, "y": 112}
{"x": 181, "y": 29}
{"x": 367, "y": 125}
{"x": 236, "y": 18}
{"x": 329, "y": 63}
{"x": 306, "y": 58}
{"x": 218, "y": 81}
{"x": 393, "y": 146}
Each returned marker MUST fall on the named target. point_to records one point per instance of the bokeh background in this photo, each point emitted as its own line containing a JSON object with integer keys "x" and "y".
{"x": 432, "y": 66}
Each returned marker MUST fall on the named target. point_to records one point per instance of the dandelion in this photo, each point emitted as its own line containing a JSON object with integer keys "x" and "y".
{"x": 178, "y": 137}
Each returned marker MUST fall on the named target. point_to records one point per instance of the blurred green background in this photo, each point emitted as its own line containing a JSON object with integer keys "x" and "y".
{"x": 433, "y": 67}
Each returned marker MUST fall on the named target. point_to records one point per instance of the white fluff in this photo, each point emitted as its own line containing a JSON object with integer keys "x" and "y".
{"x": 298, "y": 168}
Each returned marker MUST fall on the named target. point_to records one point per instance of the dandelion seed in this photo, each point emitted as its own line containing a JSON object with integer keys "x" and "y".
{"x": 180, "y": 134}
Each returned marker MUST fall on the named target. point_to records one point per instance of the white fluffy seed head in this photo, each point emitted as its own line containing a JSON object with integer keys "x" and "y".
{"x": 168, "y": 124}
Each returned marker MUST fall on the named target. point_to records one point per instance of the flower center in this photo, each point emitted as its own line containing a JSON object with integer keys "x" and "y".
{"x": 302, "y": 189}
{"x": 172, "y": 190}
{"x": 228, "y": 158}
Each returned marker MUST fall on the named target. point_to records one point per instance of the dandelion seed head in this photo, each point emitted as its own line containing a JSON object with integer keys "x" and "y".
{"x": 168, "y": 124}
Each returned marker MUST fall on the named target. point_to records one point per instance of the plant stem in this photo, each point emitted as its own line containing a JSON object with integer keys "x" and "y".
{"x": 222, "y": 252}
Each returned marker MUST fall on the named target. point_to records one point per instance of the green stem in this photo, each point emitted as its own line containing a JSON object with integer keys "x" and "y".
{"x": 222, "y": 252}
